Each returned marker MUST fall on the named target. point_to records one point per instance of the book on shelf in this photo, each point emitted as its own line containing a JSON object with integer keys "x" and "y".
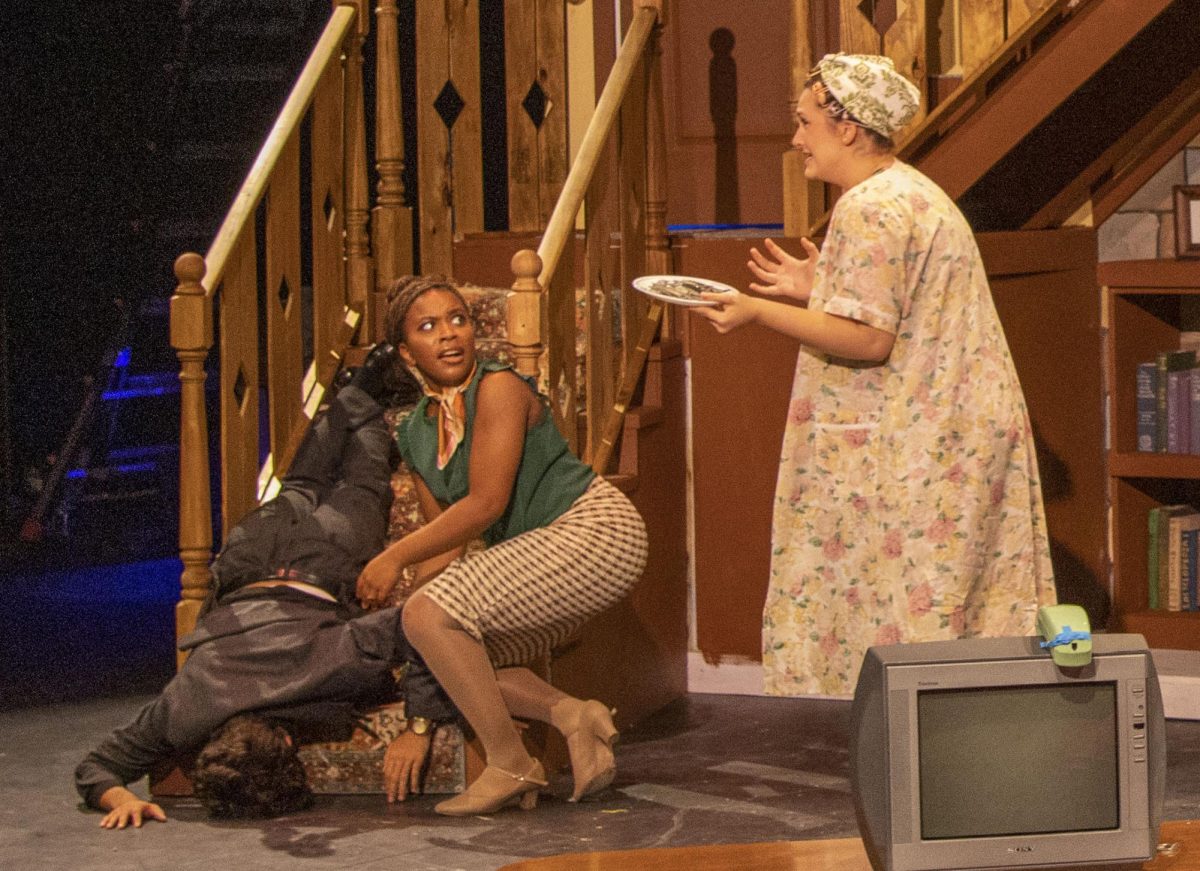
{"x": 1147, "y": 428}
{"x": 1178, "y": 526}
{"x": 1166, "y": 363}
{"x": 1158, "y": 555}
{"x": 1179, "y": 411}
{"x": 1194, "y": 411}
{"x": 1191, "y": 561}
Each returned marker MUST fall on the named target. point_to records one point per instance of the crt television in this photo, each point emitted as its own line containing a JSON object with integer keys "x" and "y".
{"x": 982, "y": 753}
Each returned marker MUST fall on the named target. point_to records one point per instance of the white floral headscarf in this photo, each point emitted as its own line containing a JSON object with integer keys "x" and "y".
{"x": 871, "y": 90}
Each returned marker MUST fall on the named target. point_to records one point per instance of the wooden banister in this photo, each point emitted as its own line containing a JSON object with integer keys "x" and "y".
{"x": 562, "y": 221}
{"x": 329, "y": 94}
{"x": 1018, "y": 48}
{"x": 554, "y": 260}
{"x": 326, "y": 53}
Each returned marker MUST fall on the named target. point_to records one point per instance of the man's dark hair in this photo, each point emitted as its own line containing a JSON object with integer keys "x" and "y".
{"x": 249, "y": 768}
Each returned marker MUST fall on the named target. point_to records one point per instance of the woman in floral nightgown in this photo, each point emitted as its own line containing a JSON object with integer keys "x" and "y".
{"x": 908, "y": 506}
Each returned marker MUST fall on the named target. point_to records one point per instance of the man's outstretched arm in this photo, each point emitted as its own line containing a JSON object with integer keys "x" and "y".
{"x": 123, "y": 757}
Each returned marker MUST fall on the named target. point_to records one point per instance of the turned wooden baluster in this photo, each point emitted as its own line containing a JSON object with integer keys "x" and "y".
{"x": 525, "y": 314}
{"x": 391, "y": 220}
{"x": 359, "y": 277}
{"x": 658, "y": 246}
{"x": 192, "y": 337}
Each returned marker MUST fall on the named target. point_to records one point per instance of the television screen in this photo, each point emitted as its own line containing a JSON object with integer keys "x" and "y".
{"x": 983, "y": 754}
{"x": 1000, "y": 761}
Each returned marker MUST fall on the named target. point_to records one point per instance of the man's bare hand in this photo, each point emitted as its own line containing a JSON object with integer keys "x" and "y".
{"x": 132, "y": 812}
{"x": 402, "y": 765}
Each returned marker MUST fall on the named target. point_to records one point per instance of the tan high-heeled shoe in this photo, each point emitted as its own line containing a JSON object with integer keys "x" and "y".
{"x": 494, "y": 789}
{"x": 590, "y": 747}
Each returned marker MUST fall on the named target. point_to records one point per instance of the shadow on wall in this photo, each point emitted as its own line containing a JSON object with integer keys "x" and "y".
{"x": 722, "y": 107}
{"x": 1074, "y": 580}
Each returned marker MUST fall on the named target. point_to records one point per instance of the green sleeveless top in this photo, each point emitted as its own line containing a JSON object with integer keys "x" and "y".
{"x": 549, "y": 479}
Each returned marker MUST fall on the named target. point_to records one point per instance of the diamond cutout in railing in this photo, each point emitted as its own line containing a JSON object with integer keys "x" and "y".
{"x": 284, "y": 293}
{"x": 239, "y": 387}
{"x": 327, "y": 206}
{"x": 881, "y": 13}
{"x": 535, "y": 104}
{"x": 448, "y": 104}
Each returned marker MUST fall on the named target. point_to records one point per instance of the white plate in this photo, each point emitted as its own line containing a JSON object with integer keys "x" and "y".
{"x": 657, "y": 287}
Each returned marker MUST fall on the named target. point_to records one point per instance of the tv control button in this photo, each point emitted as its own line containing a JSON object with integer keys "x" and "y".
{"x": 1139, "y": 743}
{"x": 1139, "y": 756}
{"x": 1139, "y": 708}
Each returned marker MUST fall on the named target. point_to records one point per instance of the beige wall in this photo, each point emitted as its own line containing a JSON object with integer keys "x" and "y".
{"x": 1144, "y": 227}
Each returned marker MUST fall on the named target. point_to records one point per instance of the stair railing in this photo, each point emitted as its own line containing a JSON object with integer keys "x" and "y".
{"x": 983, "y": 70}
{"x": 254, "y": 281}
{"x": 542, "y": 309}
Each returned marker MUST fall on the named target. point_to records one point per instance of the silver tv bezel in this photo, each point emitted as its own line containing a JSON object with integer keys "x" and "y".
{"x": 910, "y": 852}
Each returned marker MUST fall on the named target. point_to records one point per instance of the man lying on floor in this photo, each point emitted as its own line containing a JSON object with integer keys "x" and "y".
{"x": 284, "y": 646}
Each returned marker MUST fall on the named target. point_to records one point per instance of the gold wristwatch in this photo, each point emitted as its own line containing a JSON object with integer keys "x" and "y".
{"x": 420, "y": 725}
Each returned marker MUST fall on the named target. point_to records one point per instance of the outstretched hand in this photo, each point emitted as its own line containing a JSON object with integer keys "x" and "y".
{"x": 132, "y": 812}
{"x": 402, "y": 765}
{"x": 784, "y": 275}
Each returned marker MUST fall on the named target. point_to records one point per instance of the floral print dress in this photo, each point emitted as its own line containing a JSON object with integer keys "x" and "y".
{"x": 908, "y": 506}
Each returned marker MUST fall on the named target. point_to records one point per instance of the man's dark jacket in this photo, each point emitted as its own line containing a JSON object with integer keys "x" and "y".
{"x": 265, "y": 650}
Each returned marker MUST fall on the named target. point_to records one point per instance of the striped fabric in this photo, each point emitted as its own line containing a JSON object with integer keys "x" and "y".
{"x": 524, "y": 596}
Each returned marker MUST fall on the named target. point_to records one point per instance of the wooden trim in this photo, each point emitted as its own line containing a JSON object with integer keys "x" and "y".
{"x": 1149, "y": 274}
{"x": 1129, "y": 163}
{"x": 1087, "y": 40}
{"x": 466, "y": 144}
{"x": 904, "y": 42}
{"x": 975, "y": 87}
{"x": 284, "y": 364}
{"x": 1023, "y": 252}
{"x": 857, "y": 34}
{"x": 239, "y": 375}
{"x": 326, "y": 213}
{"x": 552, "y": 148}
{"x": 433, "y": 145}
{"x": 520, "y": 70}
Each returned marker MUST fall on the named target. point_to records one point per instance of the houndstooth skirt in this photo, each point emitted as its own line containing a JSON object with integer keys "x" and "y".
{"x": 525, "y": 596}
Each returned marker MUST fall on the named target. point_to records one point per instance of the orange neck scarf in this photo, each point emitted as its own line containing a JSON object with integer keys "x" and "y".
{"x": 452, "y": 415}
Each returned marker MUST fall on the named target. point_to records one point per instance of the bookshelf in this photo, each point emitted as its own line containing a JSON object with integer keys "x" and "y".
{"x": 1148, "y": 304}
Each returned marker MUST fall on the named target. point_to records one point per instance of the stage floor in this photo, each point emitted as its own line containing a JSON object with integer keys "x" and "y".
{"x": 709, "y": 770}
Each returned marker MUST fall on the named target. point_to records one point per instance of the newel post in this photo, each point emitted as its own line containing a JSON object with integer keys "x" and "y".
{"x": 525, "y": 313}
{"x": 192, "y": 337}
